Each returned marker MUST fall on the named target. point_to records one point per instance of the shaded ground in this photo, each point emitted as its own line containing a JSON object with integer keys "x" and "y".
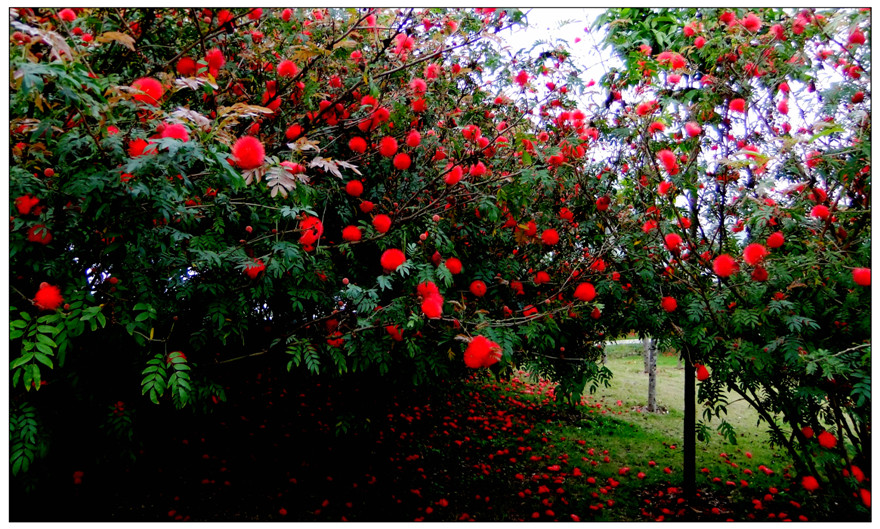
{"x": 485, "y": 451}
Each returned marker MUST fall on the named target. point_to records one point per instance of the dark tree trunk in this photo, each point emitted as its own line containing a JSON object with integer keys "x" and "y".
{"x": 690, "y": 430}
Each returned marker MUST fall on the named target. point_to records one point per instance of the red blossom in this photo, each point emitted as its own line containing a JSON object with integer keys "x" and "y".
{"x": 454, "y": 265}
{"x": 478, "y": 288}
{"x": 351, "y": 233}
{"x": 354, "y": 188}
{"x": 253, "y": 269}
{"x": 862, "y": 276}
{"x": 151, "y": 90}
{"x": 392, "y": 258}
{"x": 287, "y": 68}
{"x": 585, "y": 292}
{"x": 738, "y": 105}
{"x": 187, "y": 66}
{"x": 402, "y": 161}
{"x": 669, "y": 304}
{"x": 26, "y": 203}
{"x": 48, "y": 297}
{"x": 550, "y": 237}
{"x": 177, "y": 131}
{"x": 481, "y": 352}
{"x": 775, "y": 240}
{"x": 827, "y": 440}
{"x": 39, "y": 233}
{"x": 724, "y": 265}
{"x": 382, "y": 223}
{"x": 387, "y": 146}
{"x": 810, "y": 483}
{"x": 248, "y": 152}
{"x": 702, "y": 372}
{"x": 754, "y": 254}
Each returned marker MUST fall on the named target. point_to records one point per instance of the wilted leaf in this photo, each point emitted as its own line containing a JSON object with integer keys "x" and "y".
{"x": 115, "y": 36}
{"x": 192, "y": 116}
{"x": 304, "y": 144}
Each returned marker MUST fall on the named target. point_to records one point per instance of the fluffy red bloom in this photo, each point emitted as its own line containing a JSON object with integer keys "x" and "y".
{"x": 286, "y": 68}
{"x": 478, "y": 169}
{"x": 866, "y": 497}
{"x": 354, "y": 188}
{"x": 432, "y": 306}
{"x": 810, "y": 483}
{"x": 672, "y": 240}
{"x": 699, "y": 42}
{"x": 48, "y": 297}
{"x": 454, "y": 176}
{"x": 392, "y": 258}
{"x": 585, "y": 292}
{"x": 856, "y": 37}
{"x": 541, "y": 278}
{"x": 187, "y": 66}
{"x": 252, "y": 270}
{"x": 382, "y": 223}
{"x": 724, "y": 265}
{"x": 312, "y": 229}
{"x": 140, "y": 146}
{"x": 176, "y": 130}
{"x": 387, "y": 146}
{"x": 664, "y": 187}
{"x": 402, "y": 161}
{"x": 760, "y": 274}
{"x": 782, "y": 106}
{"x": 820, "y": 212}
{"x": 351, "y": 233}
{"x": 67, "y": 15}
{"x": 667, "y": 158}
{"x": 39, "y": 233}
{"x": 827, "y": 440}
{"x": 394, "y": 332}
{"x": 357, "y": 144}
{"x": 26, "y": 203}
{"x": 693, "y": 128}
{"x": 478, "y": 288}
{"x": 413, "y": 139}
{"x": 248, "y": 152}
{"x": 427, "y": 289}
{"x": 550, "y": 236}
{"x": 649, "y": 226}
{"x": 481, "y": 352}
{"x": 807, "y": 431}
{"x": 702, "y": 372}
{"x": 293, "y": 132}
{"x": 418, "y": 86}
{"x": 669, "y": 304}
{"x": 775, "y": 240}
{"x": 751, "y": 22}
{"x": 862, "y": 276}
{"x": 151, "y": 90}
{"x": 521, "y": 78}
{"x": 454, "y": 265}
{"x": 602, "y": 203}
{"x": 366, "y": 206}
{"x": 738, "y": 105}
{"x": 754, "y": 253}
{"x": 224, "y": 17}
{"x": 215, "y": 59}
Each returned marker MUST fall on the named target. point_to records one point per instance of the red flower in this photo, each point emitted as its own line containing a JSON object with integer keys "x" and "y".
{"x": 402, "y": 161}
{"x": 413, "y": 139}
{"x": 366, "y": 206}
{"x": 782, "y": 107}
{"x": 252, "y": 270}
{"x": 427, "y": 289}
{"x": 866, "y": 497}
{"x": 151, "y": 90}
{"x": 248, "y": 152}
{"x": 312, "y": 229}
{"x": 521, "y": 78}
{"x": 394, "y": 331}
{"x": 760, "y": 274}
{"x": 478, "y": 288}
{"x": 454, "y": 265}
{"x": 820, "y": 212}
{"x": 432, "y": 306}
{"x": 541, "y": 278}
{"x": 550, "y": 237}
{"x": 286, "y": 68}
{"x": 669, "y": 304}
{"x": 387, "y": 146}
{"x": 478, "y": 169}
{"x": 751, "y": 22}
{"x": 724, "y": 265}
{"x": 25, "y": 204}
{"x": 215, "y": 60}
{"x": 481, "y": 352}
{"x": 807, "y": 431}
{"x": 699, "y": 42}
{"x": 139, "y": 147}
{"x": 418, "y": 86}
{"x": 692, "y": 128}
{"x": 702, "y": 372}
{"x": 738, "y": 105}
{"x": 673, "y": 240}
{"x": 862, "y": 276}
{"x": 357, "y": 144}
{"x": 775, "y": 240}
{"x": 454, "y": 176}
{"x": 48, "y": 297}
{"x": 856, "y": 37}
{"x": 351, "y": 233}
{"x": 827, "y": 440}
{"x": 810, "y": 483}
{"x": 585, "y": 292}
{"x": 67, "y": 15}
{"x": 39, "y": 233}
{"x": 392, "y": 258}
{"x": 354, "y": 188}
{"x": 187, "y": 66}
{"x": 602, "y": 203}
{"x": 667, "y": 158}
{"x": 382, "y": 223}
{"x": 754, "y": 254}
{"x": 176, "y": 130}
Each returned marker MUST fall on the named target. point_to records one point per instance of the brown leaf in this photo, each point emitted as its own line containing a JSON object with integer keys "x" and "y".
{"x": 115, "y": 36}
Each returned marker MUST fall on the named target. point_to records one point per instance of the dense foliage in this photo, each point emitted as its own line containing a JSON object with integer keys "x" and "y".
{"x": 390, "y": 192}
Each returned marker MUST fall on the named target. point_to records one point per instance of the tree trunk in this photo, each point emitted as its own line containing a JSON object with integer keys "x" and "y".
{"x": 646, "y": 344}
{"x": 651, "y": 369}
{"x": 689, "y": 469}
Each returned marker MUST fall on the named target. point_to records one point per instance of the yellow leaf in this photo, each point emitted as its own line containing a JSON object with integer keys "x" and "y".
{"x": 152, "y": 330}
{"x": 345, "y": 44}
{"x": 451, "y": 354}
{"x": 121, "y": 38}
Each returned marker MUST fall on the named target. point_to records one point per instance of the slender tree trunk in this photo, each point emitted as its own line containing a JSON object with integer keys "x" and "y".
{"x": 646, "y": 344}
{"x": 689, "y": 470}
{"x": 651, "y": 368}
